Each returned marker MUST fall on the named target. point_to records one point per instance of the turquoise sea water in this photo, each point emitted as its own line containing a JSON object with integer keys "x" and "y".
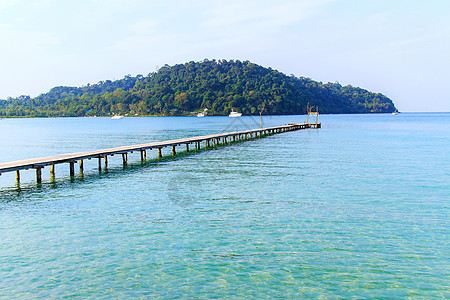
{"x": 357, "y": 209}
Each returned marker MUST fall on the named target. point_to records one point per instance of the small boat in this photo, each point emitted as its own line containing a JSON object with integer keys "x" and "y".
{"x": 234, "y": 114}
{"x": 395, "y": 112}
{"x": 203, "y": 113}
{"x": 117, "y": 117}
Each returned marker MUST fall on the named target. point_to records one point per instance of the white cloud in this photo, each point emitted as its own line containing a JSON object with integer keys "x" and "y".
{"x": 144, "y": 27}
{"x": 244, "y": 13}
{"x": 4, "y": 4}
{"x": 15, "y": 40}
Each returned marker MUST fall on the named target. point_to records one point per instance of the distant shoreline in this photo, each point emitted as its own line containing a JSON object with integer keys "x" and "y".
{"x": 194, "y": 116}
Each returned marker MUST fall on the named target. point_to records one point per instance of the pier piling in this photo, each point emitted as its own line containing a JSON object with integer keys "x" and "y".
{"x": 72, "y": 168}
{"x": 39, "y": 174}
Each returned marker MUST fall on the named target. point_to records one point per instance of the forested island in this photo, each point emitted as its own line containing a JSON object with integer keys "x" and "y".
{"x": 184, "y": 89}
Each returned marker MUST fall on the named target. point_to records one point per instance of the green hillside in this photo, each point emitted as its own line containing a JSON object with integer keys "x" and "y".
{"x": 185, "y": 88}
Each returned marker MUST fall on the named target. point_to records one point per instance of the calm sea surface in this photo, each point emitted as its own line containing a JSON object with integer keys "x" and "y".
{"x": 359, "y": 208}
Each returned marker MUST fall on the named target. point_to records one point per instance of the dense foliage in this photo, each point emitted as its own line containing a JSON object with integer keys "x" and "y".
{"x": 183, "y": 89}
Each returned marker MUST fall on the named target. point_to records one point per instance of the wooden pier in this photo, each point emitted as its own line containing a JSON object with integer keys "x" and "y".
{"x": 208, "y": 141}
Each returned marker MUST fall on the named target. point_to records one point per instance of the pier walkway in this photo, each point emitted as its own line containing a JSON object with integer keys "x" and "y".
{"x": 209, "y": 140}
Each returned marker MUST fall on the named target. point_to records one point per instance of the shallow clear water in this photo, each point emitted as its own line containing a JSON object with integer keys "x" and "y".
{"x": 358, "y": 208}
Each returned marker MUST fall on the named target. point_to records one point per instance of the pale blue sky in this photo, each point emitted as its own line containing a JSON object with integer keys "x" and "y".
{"x": 399, "y": 48}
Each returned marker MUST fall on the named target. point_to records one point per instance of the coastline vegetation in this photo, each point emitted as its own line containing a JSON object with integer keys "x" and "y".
{"x": 185, "y": 89}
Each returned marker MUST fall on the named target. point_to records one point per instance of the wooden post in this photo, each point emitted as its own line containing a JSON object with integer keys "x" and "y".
{"x": 159, "y": 153}
{"x": 80, "y": 162}
{"x": 18, "y": 176}
{"x": 72, "y": 168}
{"x": 99, "y": 163}
{"x": 38, "y": 174}
{"x": 52, "y": 170}
{"x": 206, "y": 144}
{"x": 124, "y": 158}
{"x": 174, "y": 152}
{"x": 106, "y": 161}
{"x": 143, "y": 155}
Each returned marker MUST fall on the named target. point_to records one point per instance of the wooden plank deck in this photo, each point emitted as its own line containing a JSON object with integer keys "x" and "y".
{"x": 39, "y": 163}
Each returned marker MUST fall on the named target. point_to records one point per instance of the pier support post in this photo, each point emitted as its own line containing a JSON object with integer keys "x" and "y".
{"x": 52, "y": 171}
{"x": 80, "y": 162}
{"x": 72, "y": 168}
{"x": 159, "y": 153}
{"x": 99, "y": 163}
{"x": 18, "y": 176}
{"x": 124, "y": 158}
{"x": 143, "y": 155}
{"x": 187, "y": 147}
{"x": 39, "y": 174}
{"x": 106, "y": 161}
{"x": 174, "y": 152}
